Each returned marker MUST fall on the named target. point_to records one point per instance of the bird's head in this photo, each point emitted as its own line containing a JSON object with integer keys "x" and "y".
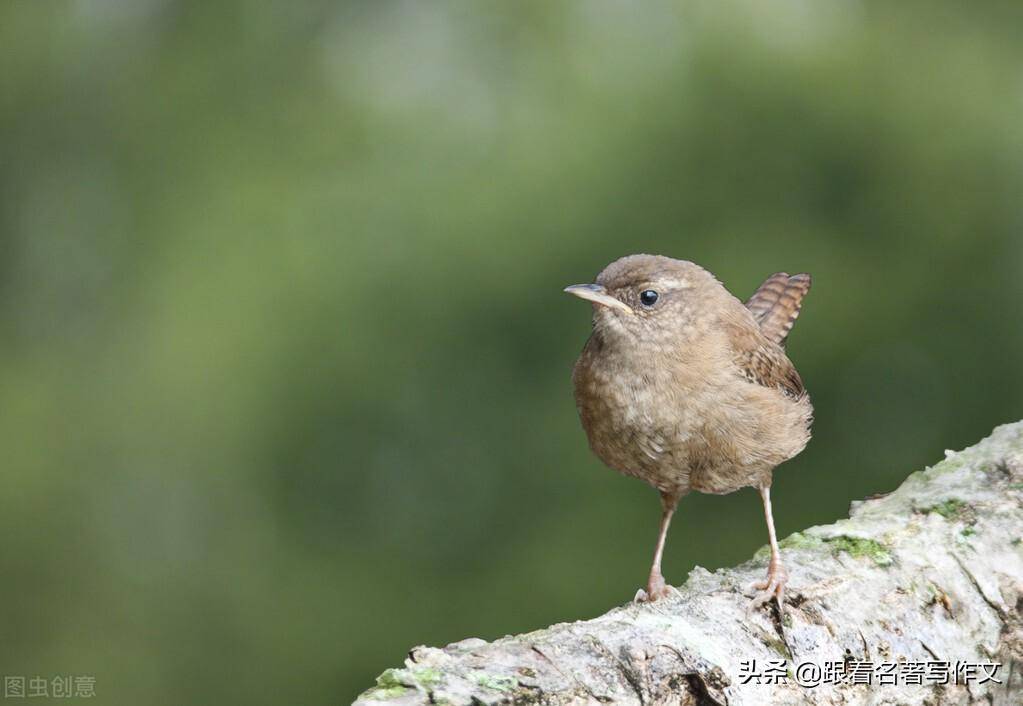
{"x": 651, "y": 298}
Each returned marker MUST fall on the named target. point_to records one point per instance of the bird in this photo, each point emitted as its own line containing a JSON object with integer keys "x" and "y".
{"x": 682, "y": 385}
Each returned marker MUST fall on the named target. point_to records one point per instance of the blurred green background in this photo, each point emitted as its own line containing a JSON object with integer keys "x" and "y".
{"x": 285, "y": 361}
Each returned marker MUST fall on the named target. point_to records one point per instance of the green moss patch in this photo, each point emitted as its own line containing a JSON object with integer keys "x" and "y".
{"x": 495, "y": 683}
{"x": 389, "y": 685}
{"x": 427, "y": 676}
{"x": 951, "y": 509}
{"x": 798, "y": 540}
{"x": 856, "y": 547}
{"x": 385, "y": 693}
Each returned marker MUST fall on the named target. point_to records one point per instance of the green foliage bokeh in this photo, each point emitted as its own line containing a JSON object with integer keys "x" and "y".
{"x": 285, "y": 362}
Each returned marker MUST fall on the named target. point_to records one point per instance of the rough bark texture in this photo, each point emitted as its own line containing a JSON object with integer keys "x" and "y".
{"x": 929, "y": 573}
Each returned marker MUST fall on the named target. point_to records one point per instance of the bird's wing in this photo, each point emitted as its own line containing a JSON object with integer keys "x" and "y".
{"x": 776, "y": 304}
{"x": 764, "y": 362}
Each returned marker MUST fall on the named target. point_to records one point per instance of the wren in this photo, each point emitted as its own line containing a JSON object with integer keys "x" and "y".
{"x": 685, "y": 387}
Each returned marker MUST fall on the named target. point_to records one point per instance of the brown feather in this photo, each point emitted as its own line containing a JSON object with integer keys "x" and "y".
{"x": 765, "y": 363}
{"x": 776, "y": 304}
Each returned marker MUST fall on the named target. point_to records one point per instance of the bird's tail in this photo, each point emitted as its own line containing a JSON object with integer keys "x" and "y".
{"x": 776, "y": 304}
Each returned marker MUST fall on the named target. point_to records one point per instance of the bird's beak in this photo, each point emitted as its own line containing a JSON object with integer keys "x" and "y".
{"x": 597, "y": 294}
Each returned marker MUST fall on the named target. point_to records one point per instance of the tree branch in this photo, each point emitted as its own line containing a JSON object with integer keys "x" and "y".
{"x": 930, "y": 573}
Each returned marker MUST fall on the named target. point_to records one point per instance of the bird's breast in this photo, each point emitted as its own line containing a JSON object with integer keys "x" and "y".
{"x": 638, "y": 416}
{"x": 684, "y": 423}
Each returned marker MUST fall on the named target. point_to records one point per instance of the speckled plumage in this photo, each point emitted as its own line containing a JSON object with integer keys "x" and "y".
{"x": 691, "y": 395}
{"x": 694, "y": 392}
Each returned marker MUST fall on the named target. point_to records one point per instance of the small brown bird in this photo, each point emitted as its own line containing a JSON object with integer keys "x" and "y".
{"x": 683, "y": 386}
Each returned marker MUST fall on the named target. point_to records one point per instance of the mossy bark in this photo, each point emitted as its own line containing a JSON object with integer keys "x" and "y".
{"x": 932, "y": 572}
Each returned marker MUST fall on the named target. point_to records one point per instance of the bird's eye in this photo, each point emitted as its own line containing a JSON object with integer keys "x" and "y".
{"x": 648, "y": 297}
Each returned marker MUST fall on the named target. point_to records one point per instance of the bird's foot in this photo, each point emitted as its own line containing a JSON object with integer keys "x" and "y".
{"x": 771, "y": 587}
{"x": 656, "y": 589}
{"x": 645, "y": 596}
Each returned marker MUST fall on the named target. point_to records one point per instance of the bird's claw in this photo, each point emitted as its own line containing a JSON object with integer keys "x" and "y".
{"x": 655, "y": 593}
{"x": 773, "y": 587}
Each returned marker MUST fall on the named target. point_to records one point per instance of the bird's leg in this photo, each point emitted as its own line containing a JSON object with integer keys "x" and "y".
{"x": 656, "y": 587}
{"x": 774, "y": 585}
